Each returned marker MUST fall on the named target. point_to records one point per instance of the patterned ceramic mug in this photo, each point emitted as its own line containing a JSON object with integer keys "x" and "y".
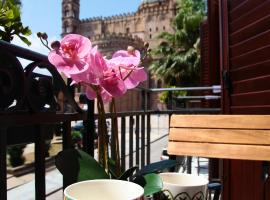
{"x": 104, "y": 189}
{"x": 184, "y": 186}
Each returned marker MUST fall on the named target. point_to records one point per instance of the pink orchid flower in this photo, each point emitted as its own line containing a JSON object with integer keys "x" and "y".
{"x": 99, "y": 74}
{"x": 91, "y": 94}
{"x": 127, "y": 64}
{"x": 70, "y": 57}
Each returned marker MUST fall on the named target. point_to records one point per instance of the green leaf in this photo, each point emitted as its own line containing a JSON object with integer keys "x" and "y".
{"x": 25, "y": 40}
{"x": 89, "y": 168}
{"x": 153, "y": 184}
{"x": 67, "y": 163}
{"x": 76, "y": 165}
{"x": 9, "y": 14}
{"x": 26, "y": 31}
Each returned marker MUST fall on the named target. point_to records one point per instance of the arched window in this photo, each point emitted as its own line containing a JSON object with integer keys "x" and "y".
{"x": 164, "y": 28}
{"x": 150, "y": 36}
{"x": 65, "y": 27}
{"x": 156, "y": 28}
{"x": 66, "y": 13}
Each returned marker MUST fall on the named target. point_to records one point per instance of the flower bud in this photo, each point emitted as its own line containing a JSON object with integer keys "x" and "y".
{"x": 39, "y": 34}
{"x": 55, "y": 45}
{"x": 44, "y": 36}
{"x": 131, "y": 50}
{"x": 146, "y": 45}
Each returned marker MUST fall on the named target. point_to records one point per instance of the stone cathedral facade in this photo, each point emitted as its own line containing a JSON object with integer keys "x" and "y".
{"x": 117, "y": 32}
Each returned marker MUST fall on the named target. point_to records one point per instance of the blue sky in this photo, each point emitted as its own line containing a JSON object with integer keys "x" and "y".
{"x": 45, "y": 15}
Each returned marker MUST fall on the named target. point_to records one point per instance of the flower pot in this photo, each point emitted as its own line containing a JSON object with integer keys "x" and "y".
{"x": 184, "y": 186}
{"x": 104, "y": 189}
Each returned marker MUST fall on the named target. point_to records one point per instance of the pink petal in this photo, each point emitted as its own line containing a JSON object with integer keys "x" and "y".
{"x": 124, "y": 61}
{"x": 123, "y": 53}
{"x": 55, "y": 59}
{"x": 114, "y": 86}
{"x": 90, "y": 93}
{"x": 135, "y": 78}
{"x": 85, "y": 47}
{"x": 84, "y": 44}
{"x": 73, "y": 70}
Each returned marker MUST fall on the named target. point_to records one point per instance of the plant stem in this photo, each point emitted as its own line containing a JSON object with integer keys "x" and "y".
{"x": 115, "y": 139}
{"x": 103, "y": 135}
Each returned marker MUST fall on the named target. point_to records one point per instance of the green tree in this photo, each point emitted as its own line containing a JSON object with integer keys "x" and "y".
{"x": 10, "y": 21}
{"x": 177, "y": 57}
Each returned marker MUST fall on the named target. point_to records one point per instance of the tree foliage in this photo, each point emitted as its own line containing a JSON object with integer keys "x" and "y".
{"x": 10, "y": 21}
{"x": 178, "y": 54}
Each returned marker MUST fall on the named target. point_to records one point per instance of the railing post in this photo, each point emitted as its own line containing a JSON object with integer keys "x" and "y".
{"x": 3, "y": 163}
{"x": 189, "y": 163}
{"x": 148, "y": 129}
{"x": 143, "y": 140}
{"x": 137, "y": 133}
{"x": 123, "y": 144}
{"x": 66, "y": 143}
{"x": 40, "y": 184}
{"x": 131, "y": 122}
{"x": 143, "y": 107}
{"x": 89, "y": 132}
{"x": 170, "y": 101}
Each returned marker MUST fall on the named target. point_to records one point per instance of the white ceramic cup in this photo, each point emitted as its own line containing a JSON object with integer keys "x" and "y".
{"x": 184, "y": 186}
{"x": 104, "y": 189}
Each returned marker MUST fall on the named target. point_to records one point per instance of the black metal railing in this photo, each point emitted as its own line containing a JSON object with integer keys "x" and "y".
{"x": 30, "y": 102}
{"x": 29, "y": 110}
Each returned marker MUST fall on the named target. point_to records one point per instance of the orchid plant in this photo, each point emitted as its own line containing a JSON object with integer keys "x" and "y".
{"x": 104, "y": 79}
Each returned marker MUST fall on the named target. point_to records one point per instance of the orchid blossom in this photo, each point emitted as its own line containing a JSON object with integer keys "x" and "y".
{"x": 104, "y": 79}
{"x": 127, "y": 63}
{"x": 70, "y": 56}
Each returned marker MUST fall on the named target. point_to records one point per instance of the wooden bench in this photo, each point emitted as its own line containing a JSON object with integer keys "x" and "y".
{"x": 221, "y": 136}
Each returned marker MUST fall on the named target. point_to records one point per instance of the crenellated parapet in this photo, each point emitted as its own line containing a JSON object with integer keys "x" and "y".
{"x": 111, "y": 19}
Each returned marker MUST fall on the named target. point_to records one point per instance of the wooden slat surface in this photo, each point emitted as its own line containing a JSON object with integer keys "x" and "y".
{"x": 264, "y": 109}
{"x": 251, "y": 71}
{"x": 235, "y": 4}
{"x": 250, "y": 44}
{"x": 251, "y": 99}
{"x": 251, "y": 30}
{"x": 251, "y": 15}
{"x": 243, "y": 8}
{"x": 251, "y": 85}
{"x": 221, "y": 121}
{"x": 259, "y": 137}
{"x": 250, "y": 58}
{"x": 227, "y": 151}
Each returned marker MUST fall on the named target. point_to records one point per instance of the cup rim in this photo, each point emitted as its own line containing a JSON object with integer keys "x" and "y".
{"x": 203, "y": 180}
{"x": 140, "y": 194}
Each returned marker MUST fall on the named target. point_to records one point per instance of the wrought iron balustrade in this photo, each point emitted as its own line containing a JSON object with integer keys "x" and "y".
{"x": 29, "y": 109}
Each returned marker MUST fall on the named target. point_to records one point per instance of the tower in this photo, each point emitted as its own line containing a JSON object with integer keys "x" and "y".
{"x": 70, "y": 16}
